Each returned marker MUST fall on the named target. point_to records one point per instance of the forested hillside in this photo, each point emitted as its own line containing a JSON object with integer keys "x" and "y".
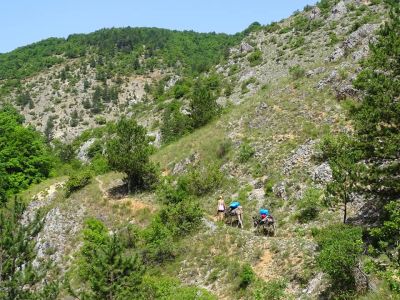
{"x": 115, "y": 147}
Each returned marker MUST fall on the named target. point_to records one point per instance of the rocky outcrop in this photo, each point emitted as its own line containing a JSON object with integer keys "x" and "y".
{"x": 362, "y": 36}
{"x": 316, "y": 286}
{"x": 182, "y": 166}
{"x": 279, "y": 190}
{"x": 338, "y": 11}
{"x": 300, "y": 157}
{"x": 245, "y": 47}
{"x": 54, "y": 241}
{"x": 83, "y": 150}
{"x": 322, "y": 174}
{"x": 314, "y": 13}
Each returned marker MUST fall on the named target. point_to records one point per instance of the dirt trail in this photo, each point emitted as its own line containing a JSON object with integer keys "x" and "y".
{"x": 134, "y": 204}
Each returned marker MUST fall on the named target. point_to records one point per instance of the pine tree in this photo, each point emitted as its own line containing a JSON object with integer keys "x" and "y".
{"x": 105, "y": 268}
{"x": 129, "y": 152}
{"x": 377, "y": 118}
{"x": 203, "y": 107}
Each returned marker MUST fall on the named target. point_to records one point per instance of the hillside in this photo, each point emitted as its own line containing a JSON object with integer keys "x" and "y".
{"x": 245, "y": 116}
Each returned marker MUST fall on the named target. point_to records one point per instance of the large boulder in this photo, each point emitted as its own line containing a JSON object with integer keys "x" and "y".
{"x": 322, "y": 174}
{"x": 279, "y": 190}
{"x": 338, "y": 11}
{"x": 245, "y": 47}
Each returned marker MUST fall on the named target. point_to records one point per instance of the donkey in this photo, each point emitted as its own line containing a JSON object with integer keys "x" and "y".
{"x": 235, "y": 215}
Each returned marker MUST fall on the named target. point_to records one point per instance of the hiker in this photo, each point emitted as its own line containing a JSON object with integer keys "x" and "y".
{"x": 220, "y": 209}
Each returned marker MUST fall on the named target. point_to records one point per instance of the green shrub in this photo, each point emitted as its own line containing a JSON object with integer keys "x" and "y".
{"x": 297, "y": 72}
{"x": 341, "y": 246}
{"x": 309, "y": 206}
{"x": 271, "y": 290}
{"x": 246, "y": 152}
{"x": 77, "y": 181}
{"x": 159, "y": 243}
{"x": 247, "y": 276}
{"x": 204, "y": 180}
{"x": 183, "y": 217}
{"x": 255, "y": 58}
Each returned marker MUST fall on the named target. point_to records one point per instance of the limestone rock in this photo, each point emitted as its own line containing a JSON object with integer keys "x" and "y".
{"x": 181, "y": 166}
{"x": 279, "y": 190}
{"x": 300, "y": 157}
{"x": 83, "y": 150}
{"x": 322, "y": 174}
{"x": 316, "y": 286}
{"x": 314, "y": 13}
{"x": 245, "y": 47}
{"x": 338, "y": 11}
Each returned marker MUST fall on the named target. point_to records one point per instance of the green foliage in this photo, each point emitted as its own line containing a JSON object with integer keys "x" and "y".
{"x": 105, "y": 268}
{"x": 129, "y": 152}
{"x": 175, "y": 123}
{"x": 159, "y": 243}
{"x": 165, "y": 288}
{"x": 274, "y": 290}
{"x": 197, "y": 52}
{"x": 333, "y": 39}
{"x": 24, "y": 155}
{"x": 247, "y": 276}
{"x": 201, "y": 181}
{"x": 342, "y": 157}
{"x": 246, "y": 152}
{"x": 297, "y": 72}
{"x": 326, "y": 5}
{"x": 341, "y": 247}
{"x": 387, "y": 236}
{"x": 18, "y": 277}
{"x": 203, "y": 105}
{"x": 255, "y": 58}
{"x": 309, "y": 206}
{"x": 377, "y": 117}
{"x": 77, "y": 181}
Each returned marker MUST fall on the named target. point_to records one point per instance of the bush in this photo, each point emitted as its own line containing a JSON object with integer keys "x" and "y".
{"x": 159, "y": 243}
{"x": 296, "y": 72}
{"x": 341, "y": 246}
{"x": 272, "y": 290}
{"x": 246, "y": 151}
{"x": 77, "y": 181}
{"x": 203, "y": 180}
{"x": 247, "y": 276}
{"x": 129, "y": 152}
{"x": 255, "y": 58}
{"x": 308, "y": 206}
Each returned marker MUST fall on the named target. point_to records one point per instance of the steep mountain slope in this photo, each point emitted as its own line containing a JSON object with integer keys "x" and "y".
{"x": 282, "y": 87}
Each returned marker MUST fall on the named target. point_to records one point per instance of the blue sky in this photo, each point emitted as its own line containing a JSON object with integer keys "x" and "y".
{"x": 26, "y": 21}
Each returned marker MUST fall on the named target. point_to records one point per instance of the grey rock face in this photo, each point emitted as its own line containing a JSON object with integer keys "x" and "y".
{"x": 362, "y": 36}
{"x": 316, "y": 71}
{"x": 322, "y": 174}
{"x": 332, "y": 78}
{"x": 181, "y": 166}
{"x": 279, "y": 190}
{"x": 245, "y": 47}
{"x": 338, "y": 11}
{"x": 316, "y": 286}
{"x": 314, "y": 14}
{"x": 345, "y": 90}
{"x": 83, "y": 150}
{"x": 300, "y": 156}
{"x": 59, "y": 227}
